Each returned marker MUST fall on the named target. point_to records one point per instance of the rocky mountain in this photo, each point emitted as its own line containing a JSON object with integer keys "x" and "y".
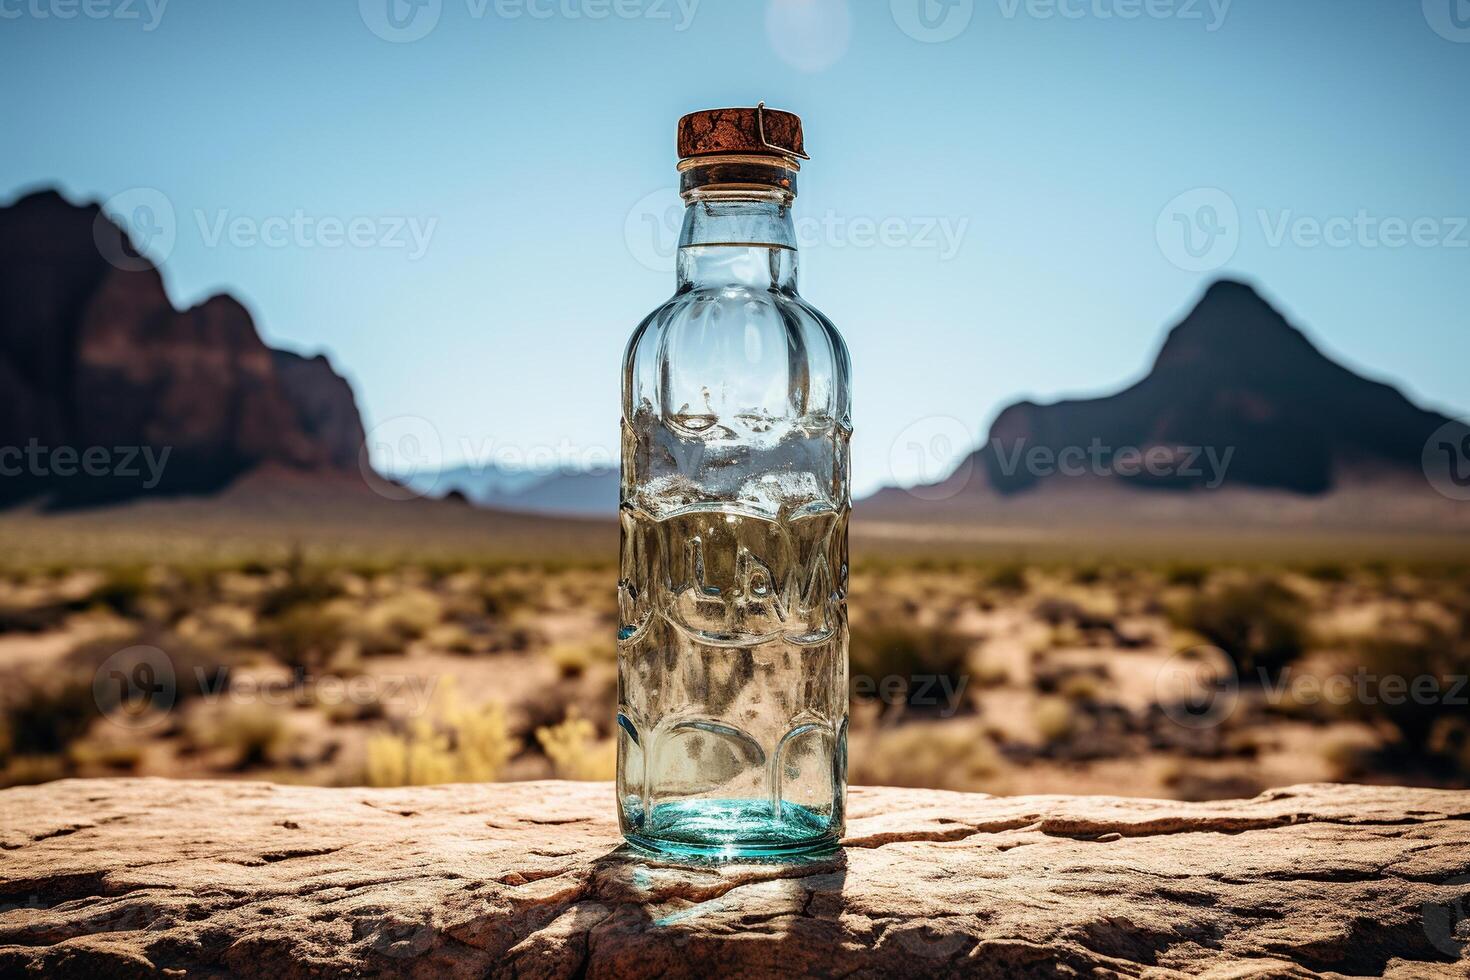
{"x": 108, "y": 392}
{"x": 1238, "y": 399}
{"x": 325, "y": 406}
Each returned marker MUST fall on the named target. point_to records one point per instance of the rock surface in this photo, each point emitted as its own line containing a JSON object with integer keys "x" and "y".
{"x": 142, "y": 877}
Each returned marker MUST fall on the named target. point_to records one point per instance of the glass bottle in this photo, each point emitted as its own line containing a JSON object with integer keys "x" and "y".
{"x": 732, "y": 653}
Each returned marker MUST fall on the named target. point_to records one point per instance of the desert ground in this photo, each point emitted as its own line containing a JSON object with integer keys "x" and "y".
{"x": 471, "y": 646}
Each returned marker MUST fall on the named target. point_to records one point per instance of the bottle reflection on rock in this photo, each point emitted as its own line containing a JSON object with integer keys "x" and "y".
{"x": 732, "y": 653}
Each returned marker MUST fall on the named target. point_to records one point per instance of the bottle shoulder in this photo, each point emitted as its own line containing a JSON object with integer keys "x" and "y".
{"x": 703, "y": 301}
{"x": 745, "y": 348}
{"x": 728, "y": 308}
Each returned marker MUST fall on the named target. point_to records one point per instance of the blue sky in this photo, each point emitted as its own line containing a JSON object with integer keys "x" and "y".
{"x": 994, "y": 209}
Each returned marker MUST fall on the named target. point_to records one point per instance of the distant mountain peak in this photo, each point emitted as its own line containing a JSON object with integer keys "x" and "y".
{"x": 1233, "y": 324}
{"x": 1234, "y": 376}
{"x": 1227, "y": 288}
{"x": 48, "y": 197}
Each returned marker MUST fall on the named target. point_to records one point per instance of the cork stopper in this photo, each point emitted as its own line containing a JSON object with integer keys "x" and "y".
{"x": 755, "y": 131}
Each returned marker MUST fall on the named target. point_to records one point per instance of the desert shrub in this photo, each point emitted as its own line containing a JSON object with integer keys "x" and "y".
{"x": 17, "y": 617}
{"x": 575, "y": 751}
{"x": 991, "y": 672}
{"x": 220, "y": 625}
{"x": 1259, "y": 623}
{"x": 908, "y": 651}
{"x": 303, "y": 636}
{"x": 1190, "y": 576}
{"x": 197, "y": 667}
{"x": 1086, "y": 686}
{"x": 929, "y": 756}
{"x": 47, "y": 712}
{"x": 1007, "y": 578}
{"x": 437, "y": 570}
{"x": 1084, "y": 612}
{"x": 123, "y": 589}
{"x": 393, "y": 622}
{"x": 92, "y": 754}
{"x": 464, "y": 582}
{"x": 304, "y": 586}
{"x": 241, "y": 587}
{"x": 573, "y": 659}
{"x": 1348, "y": 758}
{"x": 453, "y": 637}
{"x": 1328, "y": 572}
{"x": 512, "y": 590}
{"x": 250, "y": 733}
{"x": 1054, "y": 717}
{"x": 1088, "y": 574}
{"x": 29, "y": 770}
{"x": 451, "y": 744}
{"x": 1055, "y": 610}
{"x": 1431, "y": 652}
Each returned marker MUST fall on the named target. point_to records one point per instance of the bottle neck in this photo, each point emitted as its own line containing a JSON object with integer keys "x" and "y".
{"x": 744, "y": 241}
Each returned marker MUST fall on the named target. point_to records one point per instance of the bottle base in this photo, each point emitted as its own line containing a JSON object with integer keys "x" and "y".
{"x": 733, "y": 830}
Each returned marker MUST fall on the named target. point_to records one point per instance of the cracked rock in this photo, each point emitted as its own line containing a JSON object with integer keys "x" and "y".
{"x": 136, "y": 878}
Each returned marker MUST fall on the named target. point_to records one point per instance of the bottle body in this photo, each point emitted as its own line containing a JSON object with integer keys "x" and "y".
{"x": 732, "y": 653}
